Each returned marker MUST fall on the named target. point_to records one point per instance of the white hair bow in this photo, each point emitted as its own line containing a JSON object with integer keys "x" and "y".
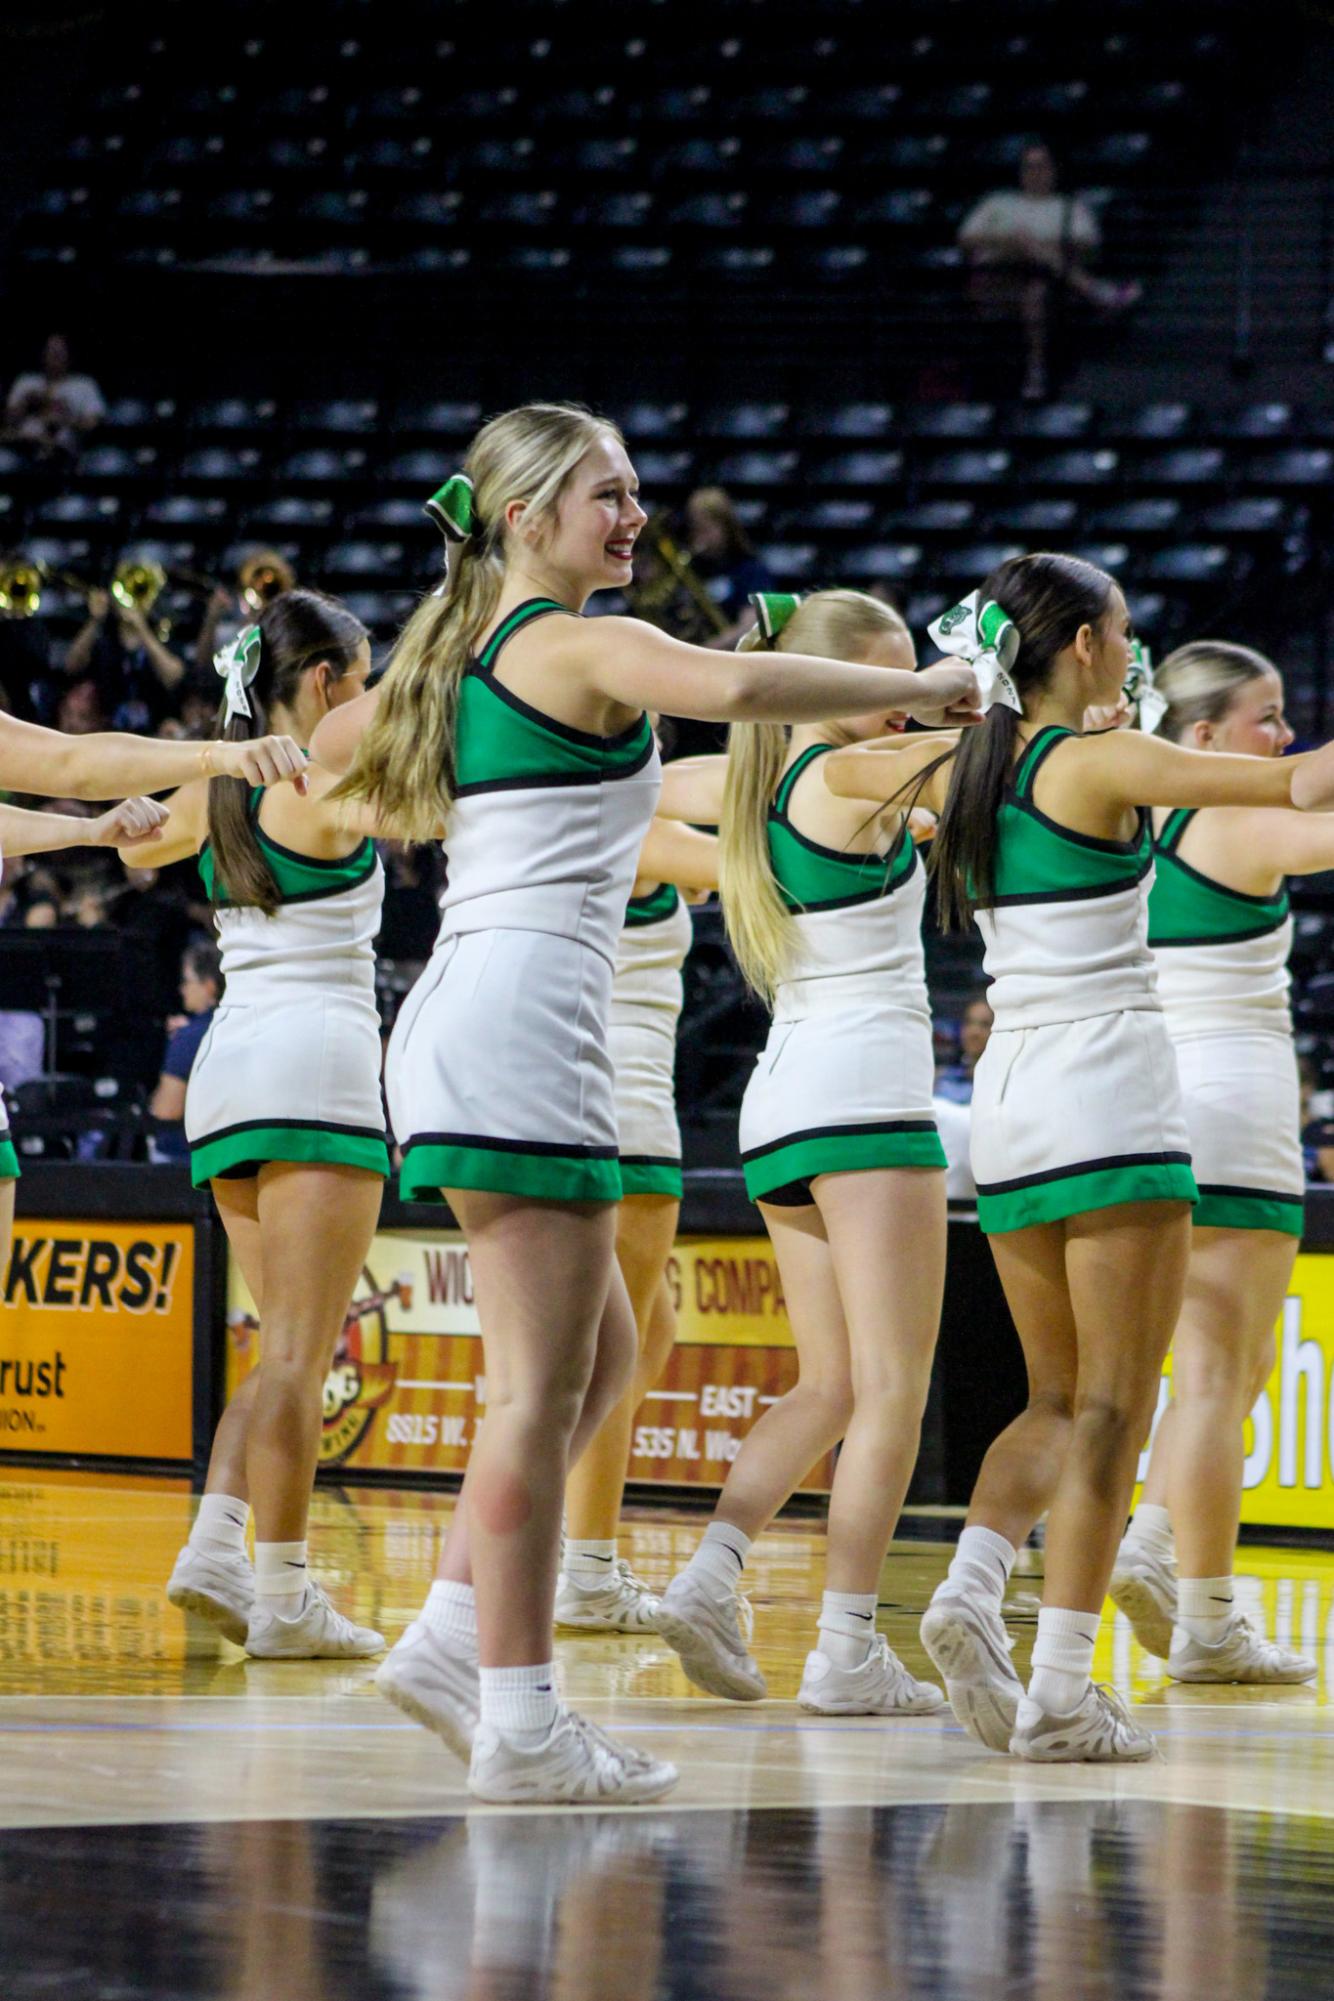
{"x": 988, "y": 639}
{"x": 238, "y": 665}
{"x": 1140, "y": 691}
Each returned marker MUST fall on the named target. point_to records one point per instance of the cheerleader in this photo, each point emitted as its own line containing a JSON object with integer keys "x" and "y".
{"x": 1079, "y": 1145}
{"x": 597, "y": 1591}
{"x": 519, "y": 727}
{"x": 822, "y": 896}
{"x": 284, "y": 1118}
{"x": 42, "y": 762}
{"x": 1220, "y": 929}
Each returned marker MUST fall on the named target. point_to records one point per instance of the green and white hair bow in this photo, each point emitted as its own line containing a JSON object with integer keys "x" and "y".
{"x": 773, "y": 610}
{"x": 1139, "y": 690}
{"x": 452, "y": 510}
{"x": 988, "y": 639}
{"x": 237, "y": 665}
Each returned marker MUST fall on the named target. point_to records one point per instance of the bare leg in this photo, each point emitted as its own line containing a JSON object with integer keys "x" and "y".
{"x": 1224, "y": 1342}
{"x": 238, "y": 1206}
{"x": 1127, "y": 1270}
{"x": 1019, "y": 1474}
{"x": 886, "y": 1235}
{"x": 559, "y": 1340}
{"x": 645, "y": 1232}
{"x": 6, "y": 1231}
{"x": 316, "y": 1225}
{"x": 802, "y": 1426}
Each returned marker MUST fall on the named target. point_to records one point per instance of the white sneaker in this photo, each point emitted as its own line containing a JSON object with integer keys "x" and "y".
{"x": 1144, "y": 1587}
{"x": 711, "y": 1631}
{"x": 1099, "y": 1732}
{"x": 315, "y": 1631}
{"x": 880, "y": 1686}
{"x": 575, "y": 1764}
{"x": 969, "y": 1644}
{"x": 622, "y": 1603}
{"x": 215, "y": 1585}
{"x": 1241, "y": 1655}
{"x": 435, "y": 1683}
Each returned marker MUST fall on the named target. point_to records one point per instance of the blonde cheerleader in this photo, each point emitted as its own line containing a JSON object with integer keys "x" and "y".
{"x": 1221, "y": 931}
{"x": 519, "y": 727}
{"x": 822, "y": 896}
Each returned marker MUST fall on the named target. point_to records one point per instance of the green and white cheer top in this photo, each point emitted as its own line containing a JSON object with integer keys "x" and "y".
{"x": 1222, "y": 954}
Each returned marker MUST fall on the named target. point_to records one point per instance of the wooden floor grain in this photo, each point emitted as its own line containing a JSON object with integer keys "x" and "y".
{"x": 300, "y": 1838}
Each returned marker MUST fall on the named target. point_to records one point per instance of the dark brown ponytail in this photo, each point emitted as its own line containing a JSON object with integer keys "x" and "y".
{"x": 297, "y": 631}
{"x": 1049, "y": 598}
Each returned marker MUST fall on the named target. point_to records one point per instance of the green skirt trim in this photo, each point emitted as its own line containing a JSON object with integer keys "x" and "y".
{"x": 1072, "y": 1191}
{"x": 841, "y": 1150}
{"x": 241, "y": 1151}
{"x": 507, "y": 1167}
{"x": 1248, "y": 1209}
{"x": 643, "y": 1174}
{"x": 9, "y": 1160}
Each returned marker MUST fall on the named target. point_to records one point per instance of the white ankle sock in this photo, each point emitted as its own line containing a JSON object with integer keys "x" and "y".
{"x": 1062, "y": 1659}
{"x": 981, "y": 1565}
{"x": 847, "y": 1626}
{"x": 1151, "y": 1528}
{"x": 520, "y": 1702}
{"x": 1204, "y": 1608}
{"x": 220, "y": 1524}
{"x": 451, "y": 1612}
{"x": 280, "y": 1572}
{"x": 589, "y": 1562}
{"x": 721, "y": 1553}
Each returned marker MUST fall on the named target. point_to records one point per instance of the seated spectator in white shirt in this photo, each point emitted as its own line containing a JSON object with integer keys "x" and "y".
{"x": 1028, "y": 244}
{"x": 51, "y": 411}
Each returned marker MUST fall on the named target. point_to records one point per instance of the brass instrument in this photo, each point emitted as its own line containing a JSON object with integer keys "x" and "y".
{"x": 21, "y": 583}
{"x": 262, "y": 578}
{"x": 676, "y": 572}
{"x": 137, "y": 585}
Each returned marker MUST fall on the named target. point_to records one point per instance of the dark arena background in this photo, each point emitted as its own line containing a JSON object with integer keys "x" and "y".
{"x": 265, "y": 271}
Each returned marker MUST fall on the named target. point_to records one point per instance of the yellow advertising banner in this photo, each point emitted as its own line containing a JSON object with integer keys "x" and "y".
{"x": 407, "y": 1391}
{"x": 1288, "y": 1481}
{"x": 97, "y": 1340}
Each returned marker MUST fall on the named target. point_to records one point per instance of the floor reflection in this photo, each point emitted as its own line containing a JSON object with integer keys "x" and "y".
{"x": 1043, "y": 1899}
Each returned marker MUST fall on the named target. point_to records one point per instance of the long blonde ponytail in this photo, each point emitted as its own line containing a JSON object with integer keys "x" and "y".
{"x": 405, "y": 767}
{"x": 836, "y": 625}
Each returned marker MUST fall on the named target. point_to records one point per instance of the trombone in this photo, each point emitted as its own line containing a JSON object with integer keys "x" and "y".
{"x": 677, "y": 573}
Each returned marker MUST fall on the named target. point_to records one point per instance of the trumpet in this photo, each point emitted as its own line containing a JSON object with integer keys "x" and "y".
{"x": 23, "y": 580}
{"x": 262, "y": 578}
{"x": 137, "y": 585}
{"x": 676, "y": 572}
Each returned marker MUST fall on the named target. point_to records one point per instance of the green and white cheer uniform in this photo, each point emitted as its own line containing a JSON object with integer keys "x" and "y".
{"x": 844, "y": 1079}
{"x": 498, "y": 1071}
{"x": 641, "y": 1039}
{"x": 1223, "y": 977}
{"x": 1076, "y": 1103}
{"x": 290, "y": 1067}
{"x": 9, "y": 1160}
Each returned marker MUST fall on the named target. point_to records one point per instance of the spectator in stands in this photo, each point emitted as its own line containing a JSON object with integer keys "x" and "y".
{"x": 955, "y": 1080}
{"x": 136, "y": 676}
{"x": 49, "y": 412}
{"x": 1027, "y": 248}
{"x": 263, "y": 576}
{"x": 723, "y": 557}
{"x": 201, "y": 989}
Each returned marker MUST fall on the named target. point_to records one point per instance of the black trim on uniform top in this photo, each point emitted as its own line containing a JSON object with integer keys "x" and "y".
{"x": 314, "y": 861}
{"x": 1212, "y": 882}
{"x": 1086, "y": 893}
{"x": 1106, "y": 1164}
{"x": 1254, "y": 1194}
{"x": 288, "y": 1125}
{"x": 1094, "y": 841}
{"x": 589, "y": 739}
{"x": 845, "y": 855}
{"x": 541, "y": 1146}
{"x": 650, "y": 1159}
{"x": 539, "y": 781}
{"x": 1229, "y": 938}
{"x": 1183, "y": 815}
{"x": 857, "y": 1129}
